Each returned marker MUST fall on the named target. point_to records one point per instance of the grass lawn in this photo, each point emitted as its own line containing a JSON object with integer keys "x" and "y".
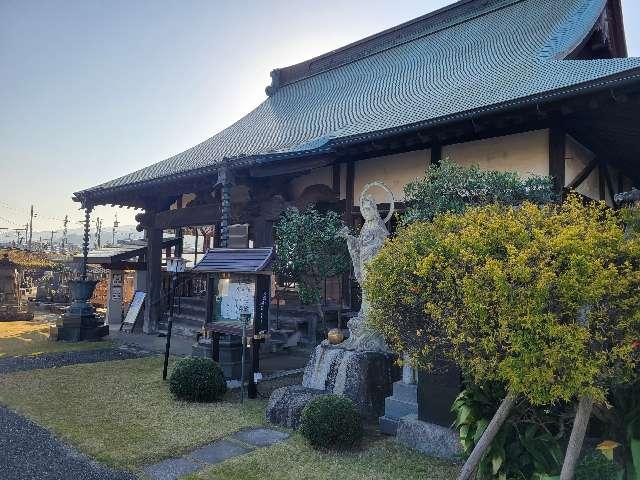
{"x": 121, "y": 412}
{"x": 381, "y": 459}
{"x": 32, "y": 338}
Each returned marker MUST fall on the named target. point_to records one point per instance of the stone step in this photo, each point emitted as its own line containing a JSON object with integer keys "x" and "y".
{"x": 192, "y": 310}
{"x": 405, "y": 392}
{"x": 388, "y": 425}
{"x": 397, "y": 408}
{"x": 195, "y": 301}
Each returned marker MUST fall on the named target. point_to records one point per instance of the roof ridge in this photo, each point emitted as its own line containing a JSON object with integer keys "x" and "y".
{"x": 451, "y": 15}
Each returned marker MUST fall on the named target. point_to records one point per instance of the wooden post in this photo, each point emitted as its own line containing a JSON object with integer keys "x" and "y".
{"x": 224, "y": 179}
{"x": 349, "y": 193}
{"x": 152, "y": 309}
{"x": 436, "y": 154}
{"x": 557, "y": 151}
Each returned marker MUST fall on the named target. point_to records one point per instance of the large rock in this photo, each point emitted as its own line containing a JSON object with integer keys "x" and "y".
{"x": 365, "y": 377}
{"x": 428, "y": 438}
{"x": 286, "y": 404}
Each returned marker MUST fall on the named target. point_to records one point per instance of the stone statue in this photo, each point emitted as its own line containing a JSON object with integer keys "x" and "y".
{"x": 362, "y": 249}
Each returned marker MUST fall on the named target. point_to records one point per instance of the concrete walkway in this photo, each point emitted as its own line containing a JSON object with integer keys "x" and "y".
{"x": 239, "y": 443}
{"x": 29, "y": 452}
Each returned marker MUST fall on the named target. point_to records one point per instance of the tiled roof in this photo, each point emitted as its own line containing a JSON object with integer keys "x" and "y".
{"x": 474, "y": 56}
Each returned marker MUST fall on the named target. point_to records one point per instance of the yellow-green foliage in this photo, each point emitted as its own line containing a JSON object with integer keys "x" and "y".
{"x": 543, "y": 299}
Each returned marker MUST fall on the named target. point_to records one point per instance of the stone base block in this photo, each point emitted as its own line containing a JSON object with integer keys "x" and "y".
{"x": 428, "y": 438}
{"x": 388, "y": 425}
{"x": 286, "y": 404}
{"x": 366, "y": 377}
{"x": 81, "y": 333}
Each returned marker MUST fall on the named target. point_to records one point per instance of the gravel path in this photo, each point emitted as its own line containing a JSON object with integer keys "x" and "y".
{"x": 29, "y": 452}
{"x": 60, "y": 359}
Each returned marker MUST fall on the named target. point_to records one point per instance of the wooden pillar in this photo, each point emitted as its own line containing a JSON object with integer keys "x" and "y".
{"x": 436, "y": 154}
{"x": 225, "y": 180}
{"x": 179, "y": 248}
{"x": 153, "y": 308}
{"x": 557, "y": 151}
{"x": 335, "y": 181}
{"x": 349, "y": 193}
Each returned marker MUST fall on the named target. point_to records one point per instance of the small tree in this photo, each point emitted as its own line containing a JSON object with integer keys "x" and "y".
{"x": 308, "y": 251}
{"x": 449, "y": 187}
{"x": 541, "y": 299}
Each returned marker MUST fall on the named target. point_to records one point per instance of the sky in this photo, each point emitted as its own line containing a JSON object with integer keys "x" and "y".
{"x": 91, "y": 89}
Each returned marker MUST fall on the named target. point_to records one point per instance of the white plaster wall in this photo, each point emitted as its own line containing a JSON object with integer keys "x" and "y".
{"x": 319, "y": 176}
{"x": 526, "y": 153}
{"x": 394, "y": 170}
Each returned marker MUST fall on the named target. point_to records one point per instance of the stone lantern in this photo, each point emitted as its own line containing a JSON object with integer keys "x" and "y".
{"x": 80, "y": 321}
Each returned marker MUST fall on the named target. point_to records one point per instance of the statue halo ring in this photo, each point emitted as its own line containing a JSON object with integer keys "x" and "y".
{"x": 392, "y": 204}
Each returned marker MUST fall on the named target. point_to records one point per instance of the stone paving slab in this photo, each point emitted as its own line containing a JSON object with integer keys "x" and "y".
{"x": 61, "y": 359}
{"x": 215, "y": 452}
{"x": 29, "y": 452}
{"x": 172, "y": 469}
{"x": 218, "y": 452}
{"x": 260, "y": 437}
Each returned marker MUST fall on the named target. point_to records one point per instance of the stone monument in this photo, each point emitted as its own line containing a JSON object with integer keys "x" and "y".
{"x": 12, "y": 307}
{"x": 361, "y": 368}
{"x": 9, "y": 286}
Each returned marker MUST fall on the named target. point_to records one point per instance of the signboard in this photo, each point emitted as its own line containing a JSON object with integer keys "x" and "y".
{"x": 134, "y": 311}
{"x": 116, "y": 279}
{"x": 116, "y": 293}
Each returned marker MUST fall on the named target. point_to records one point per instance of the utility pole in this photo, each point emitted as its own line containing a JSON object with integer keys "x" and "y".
{"x": 115, "y": 226}
{"x": 30, "y": 228}
{"x": 98, "y": 232}
{"x": 64, "y": 233}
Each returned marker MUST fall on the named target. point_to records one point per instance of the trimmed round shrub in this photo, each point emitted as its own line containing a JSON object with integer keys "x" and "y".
{"x": 197, "y": 380}
{"x": 332, "y": 422}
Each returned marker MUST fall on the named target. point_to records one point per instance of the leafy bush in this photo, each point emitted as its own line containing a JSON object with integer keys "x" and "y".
{"x": 197, "y": 380}
{"x": 536, "y": 298}
{"x": 527, "y": 444}
{"x": 596, "y": 466}
{"x": 450, "y": 187}
{"x": 332, "y": 422}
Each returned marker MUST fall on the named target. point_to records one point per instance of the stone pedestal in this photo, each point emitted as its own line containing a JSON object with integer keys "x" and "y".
{"x": 365, "y": 377}
{"x": 404, "y": 401}
{"x": 80, "y": 322}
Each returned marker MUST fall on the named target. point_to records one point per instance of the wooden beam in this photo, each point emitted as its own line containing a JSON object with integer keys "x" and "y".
{"x": 188, "y": 217}
{"x": 557, "y": 151}
{"x": 583, "y": 175}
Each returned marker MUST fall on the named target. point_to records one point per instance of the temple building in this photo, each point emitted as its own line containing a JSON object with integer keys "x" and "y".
{"x": 534, "y": 86}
